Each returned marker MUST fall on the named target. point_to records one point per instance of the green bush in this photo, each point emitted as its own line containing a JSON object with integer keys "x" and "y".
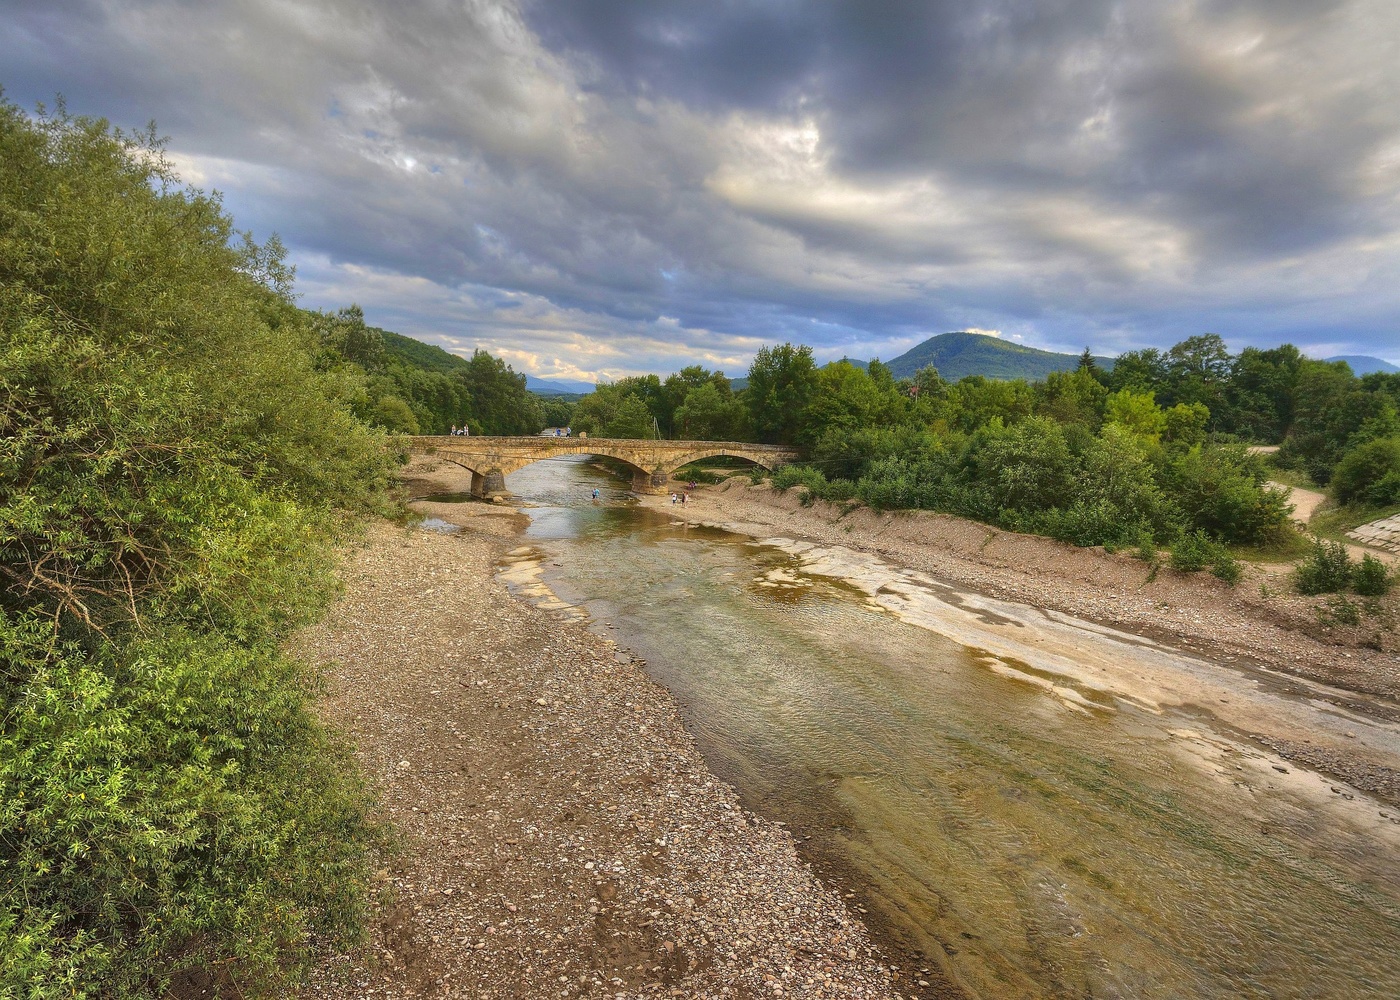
{"x": 168, "y": 806}
{"x": 1371, "y": 578}
{"x": 1222, "y": 491}
{"x": 1369, "y": 473}
{"x": 1339, "y": 611}
{"x": 1327, "y": 569}
{"x": 1226, "y": 567}
{"x": 174, "y": 474}
{"x": 1193, "y": 551}
{"x": 799, "y": 475}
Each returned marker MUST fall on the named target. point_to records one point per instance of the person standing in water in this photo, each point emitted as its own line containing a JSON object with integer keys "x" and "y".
{"x": 595, "y": 493}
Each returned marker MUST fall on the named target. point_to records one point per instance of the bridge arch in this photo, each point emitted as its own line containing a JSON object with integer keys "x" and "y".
{"x": 491, "y": 459}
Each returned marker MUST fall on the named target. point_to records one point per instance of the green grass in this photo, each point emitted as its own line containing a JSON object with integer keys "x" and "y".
{"x": 1289, "y": 477}
{"x": 1333, "y": 520}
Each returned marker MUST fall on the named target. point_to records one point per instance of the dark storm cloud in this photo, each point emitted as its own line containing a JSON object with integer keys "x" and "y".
{"x": 1009, "y": 95}
{"x": 608, "y": 186}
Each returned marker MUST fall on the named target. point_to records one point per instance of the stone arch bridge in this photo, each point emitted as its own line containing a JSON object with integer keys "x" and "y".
{"x": 491, "y": 459}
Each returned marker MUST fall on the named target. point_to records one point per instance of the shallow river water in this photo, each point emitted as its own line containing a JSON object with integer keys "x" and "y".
{"x": 1012, "y": 793}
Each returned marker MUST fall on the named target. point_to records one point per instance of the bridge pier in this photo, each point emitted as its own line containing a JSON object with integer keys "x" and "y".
{"x": 649, "y": 482}
{"x": 490, "y": 485}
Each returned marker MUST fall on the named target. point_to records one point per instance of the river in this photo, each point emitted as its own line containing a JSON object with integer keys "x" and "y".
{"x": 1030, "y": 831}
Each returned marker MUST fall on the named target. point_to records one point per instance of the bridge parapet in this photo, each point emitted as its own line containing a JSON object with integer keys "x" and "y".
{"x": 491, "y": 459}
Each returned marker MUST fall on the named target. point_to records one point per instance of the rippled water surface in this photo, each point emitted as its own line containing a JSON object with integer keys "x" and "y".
{"x": 1033, "y": 835}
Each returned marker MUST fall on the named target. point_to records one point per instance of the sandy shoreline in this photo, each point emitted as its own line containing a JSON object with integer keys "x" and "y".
{"x": 560, "y": 835}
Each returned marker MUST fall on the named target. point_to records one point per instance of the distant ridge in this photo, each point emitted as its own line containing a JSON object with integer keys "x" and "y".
{"x": 557, "y": 386}
{"x": 1364, "y": 364}
{"x": 958, "y": 355}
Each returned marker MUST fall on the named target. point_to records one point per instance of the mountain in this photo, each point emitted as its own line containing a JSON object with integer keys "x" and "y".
{"x": 435, "y": 359}
{"x": 1362, "y": 364}
{"x": 419, "y": 354}
{"x": 957, "y": 355}
{"x": 557, "y": 386}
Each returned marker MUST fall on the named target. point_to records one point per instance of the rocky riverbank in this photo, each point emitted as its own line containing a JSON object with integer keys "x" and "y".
{"x": 558, "y": 833}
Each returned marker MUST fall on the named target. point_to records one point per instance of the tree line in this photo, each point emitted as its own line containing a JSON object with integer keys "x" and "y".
{"x": 1150, "y": 450}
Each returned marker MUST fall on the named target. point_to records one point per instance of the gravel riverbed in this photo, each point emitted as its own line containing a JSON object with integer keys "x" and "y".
{"x": 558, "y": 833}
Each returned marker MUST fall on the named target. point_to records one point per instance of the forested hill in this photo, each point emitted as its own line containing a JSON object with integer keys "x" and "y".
{"x": 957, "y": 355}
{"x": 418, "y": 354}
{"x": 415, "y": 388}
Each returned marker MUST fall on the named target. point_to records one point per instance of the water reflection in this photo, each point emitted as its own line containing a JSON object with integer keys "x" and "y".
{"x": 1032, "y": 845}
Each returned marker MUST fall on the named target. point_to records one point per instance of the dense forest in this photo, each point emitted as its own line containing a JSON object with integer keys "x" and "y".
{"x": 182, "y": 448}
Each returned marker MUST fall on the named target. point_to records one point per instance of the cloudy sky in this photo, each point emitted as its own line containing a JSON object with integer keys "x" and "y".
{"x": 605, "y": 187}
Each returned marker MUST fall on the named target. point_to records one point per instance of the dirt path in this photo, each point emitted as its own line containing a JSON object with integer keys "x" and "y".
{"x": 1305, "y": 502}
{"x": 1305, "y": 505}
{"x": 560, "y": 834}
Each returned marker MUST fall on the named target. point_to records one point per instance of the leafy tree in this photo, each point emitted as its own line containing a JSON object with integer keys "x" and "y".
{"x": 1198, "y": 371}
{"x": 1136, "y": 412}
{"x": 1075, "y": 397}
{"x": 1186, "y": 425}
{"x": 1333, "y": 412}
{"x": 677, "y": 389}
{"x": 782, "y": 382}
{"x": 847, "y": 398}
{"x": 614, "y": 410}
{"x": 500, "y": 402}
{"x": 1262, "y": 385}
{"x": 631, "y": 419}
{"x": 1141, "y": 371}
{"x": 975, "y": 401}
{"x": 929, "y": 387}
{"x": 346, "y": 334}
{"x": 709, "y": 414}
{"x": 558, "y": 412}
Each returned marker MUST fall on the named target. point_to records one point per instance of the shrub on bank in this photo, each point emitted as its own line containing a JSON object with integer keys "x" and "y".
{"x": 1327, "y": 569}
{"x": 1371, "y": 578}
{"x": 176, "y": 469}
{"x": 1369, "y": 473}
